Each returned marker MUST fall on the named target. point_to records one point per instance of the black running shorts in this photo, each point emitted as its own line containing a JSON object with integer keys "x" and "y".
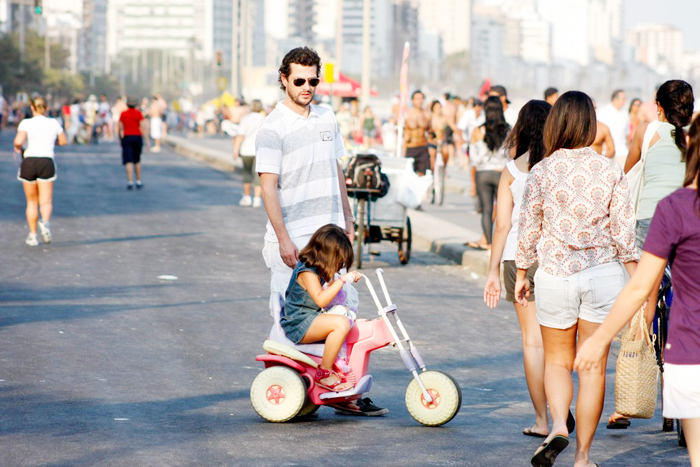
{"x": 37, "y": 168}
{"x": 421, "y": 158}
{"x": 131, "y": 149}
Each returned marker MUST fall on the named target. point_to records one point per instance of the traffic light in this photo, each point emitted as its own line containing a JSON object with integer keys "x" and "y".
{"x": 218, "y": 58}
{"x": 38, "y": 6}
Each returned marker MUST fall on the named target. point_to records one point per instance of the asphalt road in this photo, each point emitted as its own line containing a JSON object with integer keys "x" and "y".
{"x": 104, "y": 363}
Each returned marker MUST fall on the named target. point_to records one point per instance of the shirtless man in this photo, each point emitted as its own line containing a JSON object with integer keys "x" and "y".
{"x": 603, "y": 137}
{"x": 417, "y": 122}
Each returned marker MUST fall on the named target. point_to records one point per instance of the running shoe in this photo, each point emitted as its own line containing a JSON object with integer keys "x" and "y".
{"x": 257, "y": 202}
{"x": 139, "y": 185}
{"x": 245, "y": 201}
{"x": 130, "y": 186}
{"x": 45, "y": 231}
{"x": 32, "y": 240}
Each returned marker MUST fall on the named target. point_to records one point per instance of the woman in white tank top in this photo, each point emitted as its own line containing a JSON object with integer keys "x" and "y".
{"x": 526, "y": 142}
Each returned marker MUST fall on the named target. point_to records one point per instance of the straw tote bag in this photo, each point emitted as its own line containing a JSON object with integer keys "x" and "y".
{"x": 635, "y": 177}
{"x": 637, "y": 375}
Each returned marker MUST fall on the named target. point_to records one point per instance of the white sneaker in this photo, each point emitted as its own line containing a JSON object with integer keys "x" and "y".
{"x": 257, "y": 202}
{"x": 246, "y": 201}
{"x": 32, "y": 240}
{"x": 45, "y": 231}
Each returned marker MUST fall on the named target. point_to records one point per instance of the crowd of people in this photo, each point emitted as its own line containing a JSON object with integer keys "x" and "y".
{"x": 556, "y": 210}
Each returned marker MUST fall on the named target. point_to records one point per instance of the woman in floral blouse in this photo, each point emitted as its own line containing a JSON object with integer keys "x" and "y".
{"x": 577, "y": 220}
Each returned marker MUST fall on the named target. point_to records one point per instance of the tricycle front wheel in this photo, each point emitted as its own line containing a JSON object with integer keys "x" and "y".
{"x": 446, "y": 398}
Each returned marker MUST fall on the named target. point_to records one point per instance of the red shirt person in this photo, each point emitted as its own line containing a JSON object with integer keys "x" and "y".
{"x": 130, "y": 132}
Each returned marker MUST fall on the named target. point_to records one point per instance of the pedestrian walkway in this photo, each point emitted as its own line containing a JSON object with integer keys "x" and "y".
{"x": 441, "y": 229}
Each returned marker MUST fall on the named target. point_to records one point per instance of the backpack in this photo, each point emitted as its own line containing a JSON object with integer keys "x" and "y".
{"x": 365, "y": 172}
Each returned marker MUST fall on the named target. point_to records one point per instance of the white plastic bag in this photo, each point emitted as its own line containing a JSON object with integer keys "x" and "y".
{"x": 413, "y": 188}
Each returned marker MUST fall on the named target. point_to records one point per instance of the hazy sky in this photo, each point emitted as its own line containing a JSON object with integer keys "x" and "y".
{"x": 683, "y": 14}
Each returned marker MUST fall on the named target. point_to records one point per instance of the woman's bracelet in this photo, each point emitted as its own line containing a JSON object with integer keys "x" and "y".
{"x": 340, "y": 278}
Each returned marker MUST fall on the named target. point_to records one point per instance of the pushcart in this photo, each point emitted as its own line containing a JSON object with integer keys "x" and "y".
{"x": 378, "y": 219}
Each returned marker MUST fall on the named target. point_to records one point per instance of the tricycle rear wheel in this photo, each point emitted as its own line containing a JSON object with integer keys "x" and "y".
{"x": 278, "y": 394}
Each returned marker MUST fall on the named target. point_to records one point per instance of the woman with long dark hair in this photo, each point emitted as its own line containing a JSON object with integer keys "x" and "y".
{"x": 664, "y": 171}
{"x": 674, "y": 236}
{"x": 527, "y": 140}
{"x": 38, "y": 170}
{"x": 577, "y": 222}
{"x": 489, "y": 158}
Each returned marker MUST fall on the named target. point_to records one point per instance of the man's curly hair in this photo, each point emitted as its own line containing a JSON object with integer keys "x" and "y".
{"x": 301, "y": 56}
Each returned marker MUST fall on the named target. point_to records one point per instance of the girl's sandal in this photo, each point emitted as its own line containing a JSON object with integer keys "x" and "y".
{"x": 323, "y": 374}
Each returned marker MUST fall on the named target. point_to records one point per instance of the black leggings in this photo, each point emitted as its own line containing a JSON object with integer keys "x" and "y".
{"x": 486, "y": 189}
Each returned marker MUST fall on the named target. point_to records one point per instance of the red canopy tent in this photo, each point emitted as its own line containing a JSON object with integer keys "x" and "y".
{"x": 344, "y": 87}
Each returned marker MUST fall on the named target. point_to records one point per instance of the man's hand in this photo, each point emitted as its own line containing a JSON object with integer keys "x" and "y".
{"x": 522, "y": 290}
{"x": 289, "y": 253}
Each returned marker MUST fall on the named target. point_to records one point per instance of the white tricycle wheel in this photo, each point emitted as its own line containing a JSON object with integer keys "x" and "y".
{"x": 278, "y": 394}
{"x": 446, "y": 395}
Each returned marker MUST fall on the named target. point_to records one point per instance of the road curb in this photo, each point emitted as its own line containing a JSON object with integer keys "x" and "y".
{"x": 439, "y": 237}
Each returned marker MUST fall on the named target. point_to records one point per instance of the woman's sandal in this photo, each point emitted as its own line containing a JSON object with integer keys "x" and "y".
{"x": 323, "y": 374}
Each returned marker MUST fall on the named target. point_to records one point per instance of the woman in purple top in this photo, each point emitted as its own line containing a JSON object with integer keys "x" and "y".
{"x": 674, "y": 236}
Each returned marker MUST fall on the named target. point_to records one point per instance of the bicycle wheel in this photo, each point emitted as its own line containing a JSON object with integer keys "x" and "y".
{"x": 404, "y": 242}
{"x": 360, "y": 232}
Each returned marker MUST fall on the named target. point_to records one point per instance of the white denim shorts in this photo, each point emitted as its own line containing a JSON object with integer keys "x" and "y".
{"x": 586, "y": 295}
{"x": 681, "y": 391}
{"x": 280, "y": 273}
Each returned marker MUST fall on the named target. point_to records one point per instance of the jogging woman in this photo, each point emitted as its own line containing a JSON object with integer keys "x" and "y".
{"x": 38, "y": 170}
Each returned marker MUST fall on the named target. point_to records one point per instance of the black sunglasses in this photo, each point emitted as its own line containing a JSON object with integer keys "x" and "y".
{"x": 313, "y": 82}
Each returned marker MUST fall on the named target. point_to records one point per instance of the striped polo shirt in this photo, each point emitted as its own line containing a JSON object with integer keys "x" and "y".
{"x": 304, "y": 152}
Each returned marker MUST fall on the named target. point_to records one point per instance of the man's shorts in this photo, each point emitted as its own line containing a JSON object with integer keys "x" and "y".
{"x": 131, "y": 149}
{"x": 510, "y": 271}
{"x": 588, "y": 295}
{"x": 32, "y": 169}
{"x": 421, "y": 158}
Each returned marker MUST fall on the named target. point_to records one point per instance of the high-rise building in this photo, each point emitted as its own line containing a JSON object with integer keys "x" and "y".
{"x": 302, "y": 20}
{"x": 487, "y": 41}
{"x": 393, "y": 22}
{"x": 452, "y": 19}
{"x": 92, "y": 57}
{"x": 569, "y": 25}
{"x": 659, "y": 46}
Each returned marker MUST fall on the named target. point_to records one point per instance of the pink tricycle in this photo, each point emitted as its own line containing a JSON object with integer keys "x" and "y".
{"x": 286, "y": 389}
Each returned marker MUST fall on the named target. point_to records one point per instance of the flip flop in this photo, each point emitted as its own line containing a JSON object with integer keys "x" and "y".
{"x": 529, "y": 432}
{"x": 570, "y": 423}
{"x": 548, "y": 452}
{"x": 619, "y": 424}
{"x": 476, "y": 246}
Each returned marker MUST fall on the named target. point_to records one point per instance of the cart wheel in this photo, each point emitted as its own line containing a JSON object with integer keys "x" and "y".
{"x": 681, "y": 435}
{"x": 446, "y": 395}
{"x": 309, "y": 408}
{"x": 404, "y": 241}
{"x": 278, "y": 394}
{"x": 360, "y": 233}
{"x": 439, "y": 184}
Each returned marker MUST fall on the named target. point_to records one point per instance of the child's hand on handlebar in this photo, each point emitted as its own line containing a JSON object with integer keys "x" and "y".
{"x": 352, "y": 276}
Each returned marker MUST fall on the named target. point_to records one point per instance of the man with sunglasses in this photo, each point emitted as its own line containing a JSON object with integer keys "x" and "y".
{"x": 297, "y": 150}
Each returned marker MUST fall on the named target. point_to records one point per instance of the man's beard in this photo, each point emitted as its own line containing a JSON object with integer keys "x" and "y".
{"x": 298, "y": 100}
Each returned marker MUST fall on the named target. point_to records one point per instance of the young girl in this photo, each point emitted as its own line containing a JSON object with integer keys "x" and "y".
{"x": 528, "y": 142}
{"x": 674, "y": 236}
{"x": 304, "y": 320}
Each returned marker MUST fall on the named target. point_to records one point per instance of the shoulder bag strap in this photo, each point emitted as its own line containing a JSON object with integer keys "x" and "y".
{"x": 648, "y": 136}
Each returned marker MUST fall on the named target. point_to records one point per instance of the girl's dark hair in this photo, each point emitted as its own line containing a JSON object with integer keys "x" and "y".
{"x": 571, "y": 123}
{"x": 528, "y": 132}
{"x": 328, "y": 251}
{"x": 496, "y": 127}
{"x": 433, "y": 104}
{"x": 692, "y": 160}
{"x": 676, "y": 98}
{"x": 301, "y": 56}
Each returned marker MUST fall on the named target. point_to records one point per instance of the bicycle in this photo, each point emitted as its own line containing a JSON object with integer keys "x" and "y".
{"x": 663, "y": 312}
